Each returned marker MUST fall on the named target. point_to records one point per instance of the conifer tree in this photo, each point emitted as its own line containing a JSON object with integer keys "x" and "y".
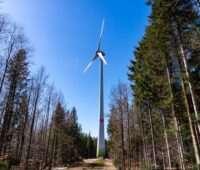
{"x": 16, "y": 77}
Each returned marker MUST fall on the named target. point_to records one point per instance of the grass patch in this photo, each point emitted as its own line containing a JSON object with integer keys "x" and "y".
{"x": 5, "y": 165}
{"x": 97, "y": 163}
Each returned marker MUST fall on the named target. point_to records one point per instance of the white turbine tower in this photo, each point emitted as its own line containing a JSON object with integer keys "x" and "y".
{"x": 101, "y": 138}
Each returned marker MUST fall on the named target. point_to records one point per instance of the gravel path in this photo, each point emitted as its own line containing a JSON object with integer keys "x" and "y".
{"x": 86, "y": 166}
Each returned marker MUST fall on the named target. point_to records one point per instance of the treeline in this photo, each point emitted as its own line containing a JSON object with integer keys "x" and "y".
{"x": 163, "y": 131}
{"x": 121, "y": 125}
{"x": 37, "y": 131}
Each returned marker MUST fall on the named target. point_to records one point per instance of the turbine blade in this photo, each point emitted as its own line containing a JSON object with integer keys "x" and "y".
{"x": 95, "y": 56}
{"x": 88, "y": 66}
{"x": 101, "y": 33}
{"x": 102, "y": 27}
{"x": 102, "y": 58}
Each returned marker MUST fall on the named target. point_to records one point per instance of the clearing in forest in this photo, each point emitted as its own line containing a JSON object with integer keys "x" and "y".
{"x": 92, "y": 164}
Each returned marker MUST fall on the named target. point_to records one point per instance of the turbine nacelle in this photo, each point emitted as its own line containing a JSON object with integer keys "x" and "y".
{"x": 100, "y": 53}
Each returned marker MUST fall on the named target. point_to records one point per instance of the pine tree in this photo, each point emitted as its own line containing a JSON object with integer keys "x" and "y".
{"x": 16, "y": 76}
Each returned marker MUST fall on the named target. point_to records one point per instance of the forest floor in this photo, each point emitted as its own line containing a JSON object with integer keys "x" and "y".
{"x": 92, "y": 164}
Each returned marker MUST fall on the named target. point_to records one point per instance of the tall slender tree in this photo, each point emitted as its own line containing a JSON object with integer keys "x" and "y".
{"x": 16, "y": 76}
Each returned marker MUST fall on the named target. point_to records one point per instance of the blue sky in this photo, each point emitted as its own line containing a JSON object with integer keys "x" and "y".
{"x": 65, "y": 33}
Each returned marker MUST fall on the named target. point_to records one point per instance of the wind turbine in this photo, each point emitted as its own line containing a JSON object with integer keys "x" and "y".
{"x": 100, "y": 54}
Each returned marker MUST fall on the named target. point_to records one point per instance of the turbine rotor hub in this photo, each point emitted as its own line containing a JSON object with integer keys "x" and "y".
{"x": 101, "y": 52}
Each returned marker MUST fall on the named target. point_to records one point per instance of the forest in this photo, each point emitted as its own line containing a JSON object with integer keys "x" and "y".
{"x": 154, "y": 120}
{"x": 157, "y": 124}
{"x": 38, "y": 130}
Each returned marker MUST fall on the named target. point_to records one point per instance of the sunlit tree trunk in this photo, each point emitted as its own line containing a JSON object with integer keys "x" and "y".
{"x": 187, "y": 71}
{"x": 193, "y": 135}
{"x": 176, "y": 125}
{"x": 179, "y": 143}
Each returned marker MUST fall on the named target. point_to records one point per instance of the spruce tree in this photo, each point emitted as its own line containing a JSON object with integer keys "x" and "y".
{"x": 16, "y": 77}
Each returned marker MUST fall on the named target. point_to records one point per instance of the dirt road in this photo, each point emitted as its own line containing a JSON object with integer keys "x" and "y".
{"x": 92, "y": 164}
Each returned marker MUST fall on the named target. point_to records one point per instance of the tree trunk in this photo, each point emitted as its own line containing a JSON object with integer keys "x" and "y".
{"x": 46, "y": 129}
{"x": 179, "y": 142}
{"x": 163, "y": 157}
{"x": 48, "y": 144}
{"x": 187, "y": 71}
{"x": 194, "y": 140}
{"x": 52, "y": 149}
{"x": 122, "y": 142}
{"x": 128, "y": 133}
{"x": 143, "y": 138}
{"x": 129, "y": 148}
{"x": 31, "y": 128}
{"x": 166, "y": 141}
{"x": 22, "y": 140}
{"x": 152, "y": 136}
{"x": 176, "y": 125}
{"x": 8, "y": 114}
